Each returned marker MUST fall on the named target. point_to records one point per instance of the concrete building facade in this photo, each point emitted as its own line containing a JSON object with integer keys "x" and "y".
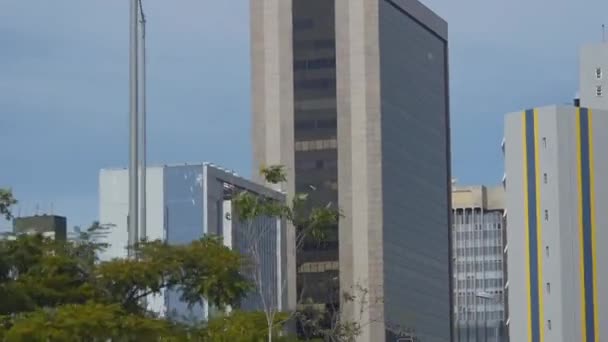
{"x": 352, "y": 97}
{"x": 556, "y": 192}
{"x": 185, "y": 203}
{"x": 478, "y": 234}
{"x": 593, "y": 75}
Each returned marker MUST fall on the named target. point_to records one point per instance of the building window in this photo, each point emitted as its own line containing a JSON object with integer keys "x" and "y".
{"x": 314, "y": 64}
{"x": 545, "y": 178}
{"x": 303, "y": 24}
{"x": 316, "y": 145}
{"x": 546, "y": 215}
{"x": 598, "y": 90}
{"x": 315, "y": 84}
{"x": 598, "y": 73}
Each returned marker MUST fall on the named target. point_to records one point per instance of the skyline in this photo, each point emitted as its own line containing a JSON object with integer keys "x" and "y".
{"x": 64, "y": 90}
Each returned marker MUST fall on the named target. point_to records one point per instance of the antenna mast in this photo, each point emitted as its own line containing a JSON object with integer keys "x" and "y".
{"x": 143, "y": 167}
{"x": 133, "y": 125}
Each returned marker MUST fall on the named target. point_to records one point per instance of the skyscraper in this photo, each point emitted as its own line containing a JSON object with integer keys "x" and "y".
{"x": 478, "y": 241}
{"x": 187, "y": 202}
{"x": 352, "y": 97}
{"x": 594, "y": 76}
{"x": 556, "y": 199}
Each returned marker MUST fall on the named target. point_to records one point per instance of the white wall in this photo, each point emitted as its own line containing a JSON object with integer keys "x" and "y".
{"x": 594, "y": 56}
{"x": 155, "y": 215}
{"x": 114, "y": 208}
{"x": 113, "y": 211}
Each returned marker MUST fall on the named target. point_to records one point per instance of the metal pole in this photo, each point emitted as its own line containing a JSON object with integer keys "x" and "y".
{"x": 142, "y": 230}
{"x": 133, "y": 141}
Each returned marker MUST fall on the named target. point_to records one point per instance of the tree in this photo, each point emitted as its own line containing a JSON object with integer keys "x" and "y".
{"x": 202, "y": 270}
{"x": 63, "y": 284}
{"x": 90, "y": 322}
{"x": 6, "y": 201}
{"x": 240, "y": 326}
{"x": 310, "y": 223}
{"x": 60, "y": 291}
{"x": 329, "y": 323}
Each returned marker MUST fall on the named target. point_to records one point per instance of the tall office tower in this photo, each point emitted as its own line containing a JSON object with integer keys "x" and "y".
{"x": 478, "y": 233}
{"x": 594, "y": 76}
{"x": 557, "y": 197}
{"x": 352, "y": 97}
{"x": 186, "y": 202}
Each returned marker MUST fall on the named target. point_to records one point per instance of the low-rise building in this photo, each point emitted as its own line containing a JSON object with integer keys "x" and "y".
{"x": 185, "y": 203}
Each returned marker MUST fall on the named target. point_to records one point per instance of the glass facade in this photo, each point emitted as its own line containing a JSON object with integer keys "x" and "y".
{"x": 187, "y": 192}
{"x": 415, "y": 166}
{"x": 257, "y": 241}
{"x": 183, "y": 199}
{"x": 315, "y": 131}
{"x": 478, "y": 256}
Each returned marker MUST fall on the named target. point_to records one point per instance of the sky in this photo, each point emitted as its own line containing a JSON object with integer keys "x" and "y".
{"x": 64, "y": 86}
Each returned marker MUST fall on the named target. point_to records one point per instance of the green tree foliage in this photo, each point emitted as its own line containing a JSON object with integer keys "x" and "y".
{"x": 6, "y": 201}
{"x": 242, "y": 326}
{"x": 274, "y": 174}
{"x": 59, "y": 291}
{"x": 203, "y": 269}
{"x": 311, "y": 222}
{"x": 90, "y": 322}
{"x": 39, "y": 272}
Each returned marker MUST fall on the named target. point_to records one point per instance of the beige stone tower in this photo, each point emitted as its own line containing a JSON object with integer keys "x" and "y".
{"x": 352, "y": 96}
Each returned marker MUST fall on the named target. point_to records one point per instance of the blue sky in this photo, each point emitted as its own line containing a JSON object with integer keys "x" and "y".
{"x": 64, "y": 79}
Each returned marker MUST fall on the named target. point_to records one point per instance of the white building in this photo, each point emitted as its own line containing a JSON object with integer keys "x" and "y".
{"x": 557, "y": 195}
{"x": 594, "y": 76}
{"x": 185, "y": 202}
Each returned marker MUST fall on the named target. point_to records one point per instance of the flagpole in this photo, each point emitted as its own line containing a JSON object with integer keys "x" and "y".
{"x": 133, "y": 126}
{"x": 143, "y": 219}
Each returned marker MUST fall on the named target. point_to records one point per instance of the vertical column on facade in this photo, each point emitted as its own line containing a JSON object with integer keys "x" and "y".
{"x": 454, "y": 260}
{"x": 485, "y": 249}
{"x": 476, "y": 257}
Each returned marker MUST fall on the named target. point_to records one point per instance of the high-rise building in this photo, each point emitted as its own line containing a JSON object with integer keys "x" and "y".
{"x": 185, "y": 203}
{"x": 352, "y": 97}
{"x": 48, "y": 225}
{"x": 594, "y": 76}
{"x": 478, "y": 233}
{"x": 556, "y": 194}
